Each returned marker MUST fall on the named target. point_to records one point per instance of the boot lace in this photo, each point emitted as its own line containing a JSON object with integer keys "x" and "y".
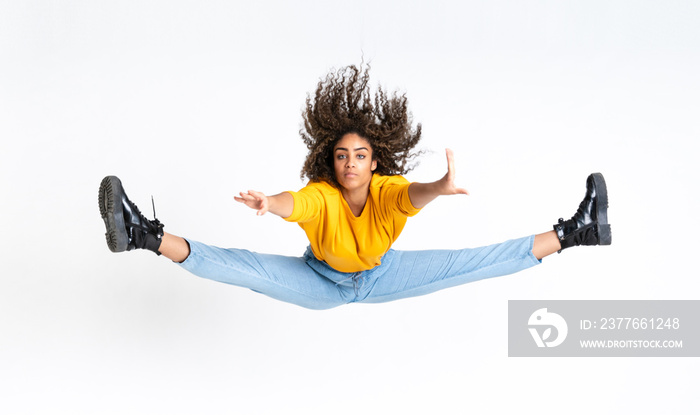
{"x": 140, "y": 230}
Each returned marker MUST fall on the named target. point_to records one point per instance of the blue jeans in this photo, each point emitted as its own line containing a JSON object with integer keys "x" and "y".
{"x": 310, "y": 283}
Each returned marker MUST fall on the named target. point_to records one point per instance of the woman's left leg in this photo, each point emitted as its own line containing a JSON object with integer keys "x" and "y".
{"x": 415, "y": 273}
{"x": 545, "y": 244}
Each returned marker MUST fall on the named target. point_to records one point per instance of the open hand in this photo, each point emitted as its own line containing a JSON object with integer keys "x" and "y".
{"x": 254, "y": 200}
{"x": 447, "y": 183}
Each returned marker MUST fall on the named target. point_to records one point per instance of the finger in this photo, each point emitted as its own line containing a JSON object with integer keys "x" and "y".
{"x": 450, "y": 162}
{"x": 263, "y": 207}
{"x": 462, "y": 191}
{"x": 248, "y": 200}
{"x": 261, "y": 201}
{"x": 256, "y": 195}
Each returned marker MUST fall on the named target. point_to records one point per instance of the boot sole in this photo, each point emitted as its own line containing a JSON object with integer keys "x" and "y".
{"x": 109, "y": 199}
{"x": 604, "y": 232}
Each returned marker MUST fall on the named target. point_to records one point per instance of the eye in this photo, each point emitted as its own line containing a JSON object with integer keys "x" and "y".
{"x": 341, "y": 156}
{"x": 361, "y": 156}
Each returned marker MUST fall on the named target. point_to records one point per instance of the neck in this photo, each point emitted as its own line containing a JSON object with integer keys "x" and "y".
{"x": 356, "y": 199}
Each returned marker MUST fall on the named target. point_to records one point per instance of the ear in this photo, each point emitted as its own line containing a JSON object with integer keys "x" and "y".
{"x": 374, "y": 165}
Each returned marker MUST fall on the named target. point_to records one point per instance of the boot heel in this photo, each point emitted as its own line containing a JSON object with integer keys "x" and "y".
{"x": 605, "y": 234}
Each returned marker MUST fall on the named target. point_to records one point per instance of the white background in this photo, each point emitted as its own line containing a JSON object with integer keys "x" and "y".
{"x": 192, "y": 102}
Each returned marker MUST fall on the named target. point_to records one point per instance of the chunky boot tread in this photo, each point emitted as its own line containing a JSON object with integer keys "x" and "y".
{"x": 604, "y": 232}
{"x": 112, "y": 214}
{"x": 602, "y": 196}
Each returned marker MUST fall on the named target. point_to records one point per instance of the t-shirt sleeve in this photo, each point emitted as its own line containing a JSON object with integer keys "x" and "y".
{"x": 307, "y": 204}
{"x": 395, "y": 193}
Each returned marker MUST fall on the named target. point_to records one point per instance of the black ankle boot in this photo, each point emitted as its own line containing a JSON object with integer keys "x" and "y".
{"x": 589, "y": 225}
{"x": 127, "y": 228}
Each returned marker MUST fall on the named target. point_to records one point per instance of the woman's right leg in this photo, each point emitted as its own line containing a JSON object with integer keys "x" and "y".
{"x": 284, "y": 278}
{"x": 174, "y": 247}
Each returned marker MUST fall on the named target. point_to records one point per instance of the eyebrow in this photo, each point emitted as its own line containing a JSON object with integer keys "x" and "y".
{"x": 357, "y": 149}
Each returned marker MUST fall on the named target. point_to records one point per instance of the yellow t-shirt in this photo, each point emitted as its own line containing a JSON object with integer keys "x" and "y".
{"x": 350, "y": 243}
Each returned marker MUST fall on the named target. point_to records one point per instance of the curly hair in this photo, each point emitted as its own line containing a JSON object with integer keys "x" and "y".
{"x": 342, "y": 104}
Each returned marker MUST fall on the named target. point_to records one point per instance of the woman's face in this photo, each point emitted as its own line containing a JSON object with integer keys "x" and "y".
{"x": 352, "y": 160}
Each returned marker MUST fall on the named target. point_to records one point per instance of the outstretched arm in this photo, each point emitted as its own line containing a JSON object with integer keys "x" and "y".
{"x": 281, "y": 204}
{"x": 423, "y": 193}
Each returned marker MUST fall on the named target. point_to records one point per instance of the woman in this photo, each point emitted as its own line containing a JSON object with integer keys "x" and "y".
{"x": 353, "y": 209}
